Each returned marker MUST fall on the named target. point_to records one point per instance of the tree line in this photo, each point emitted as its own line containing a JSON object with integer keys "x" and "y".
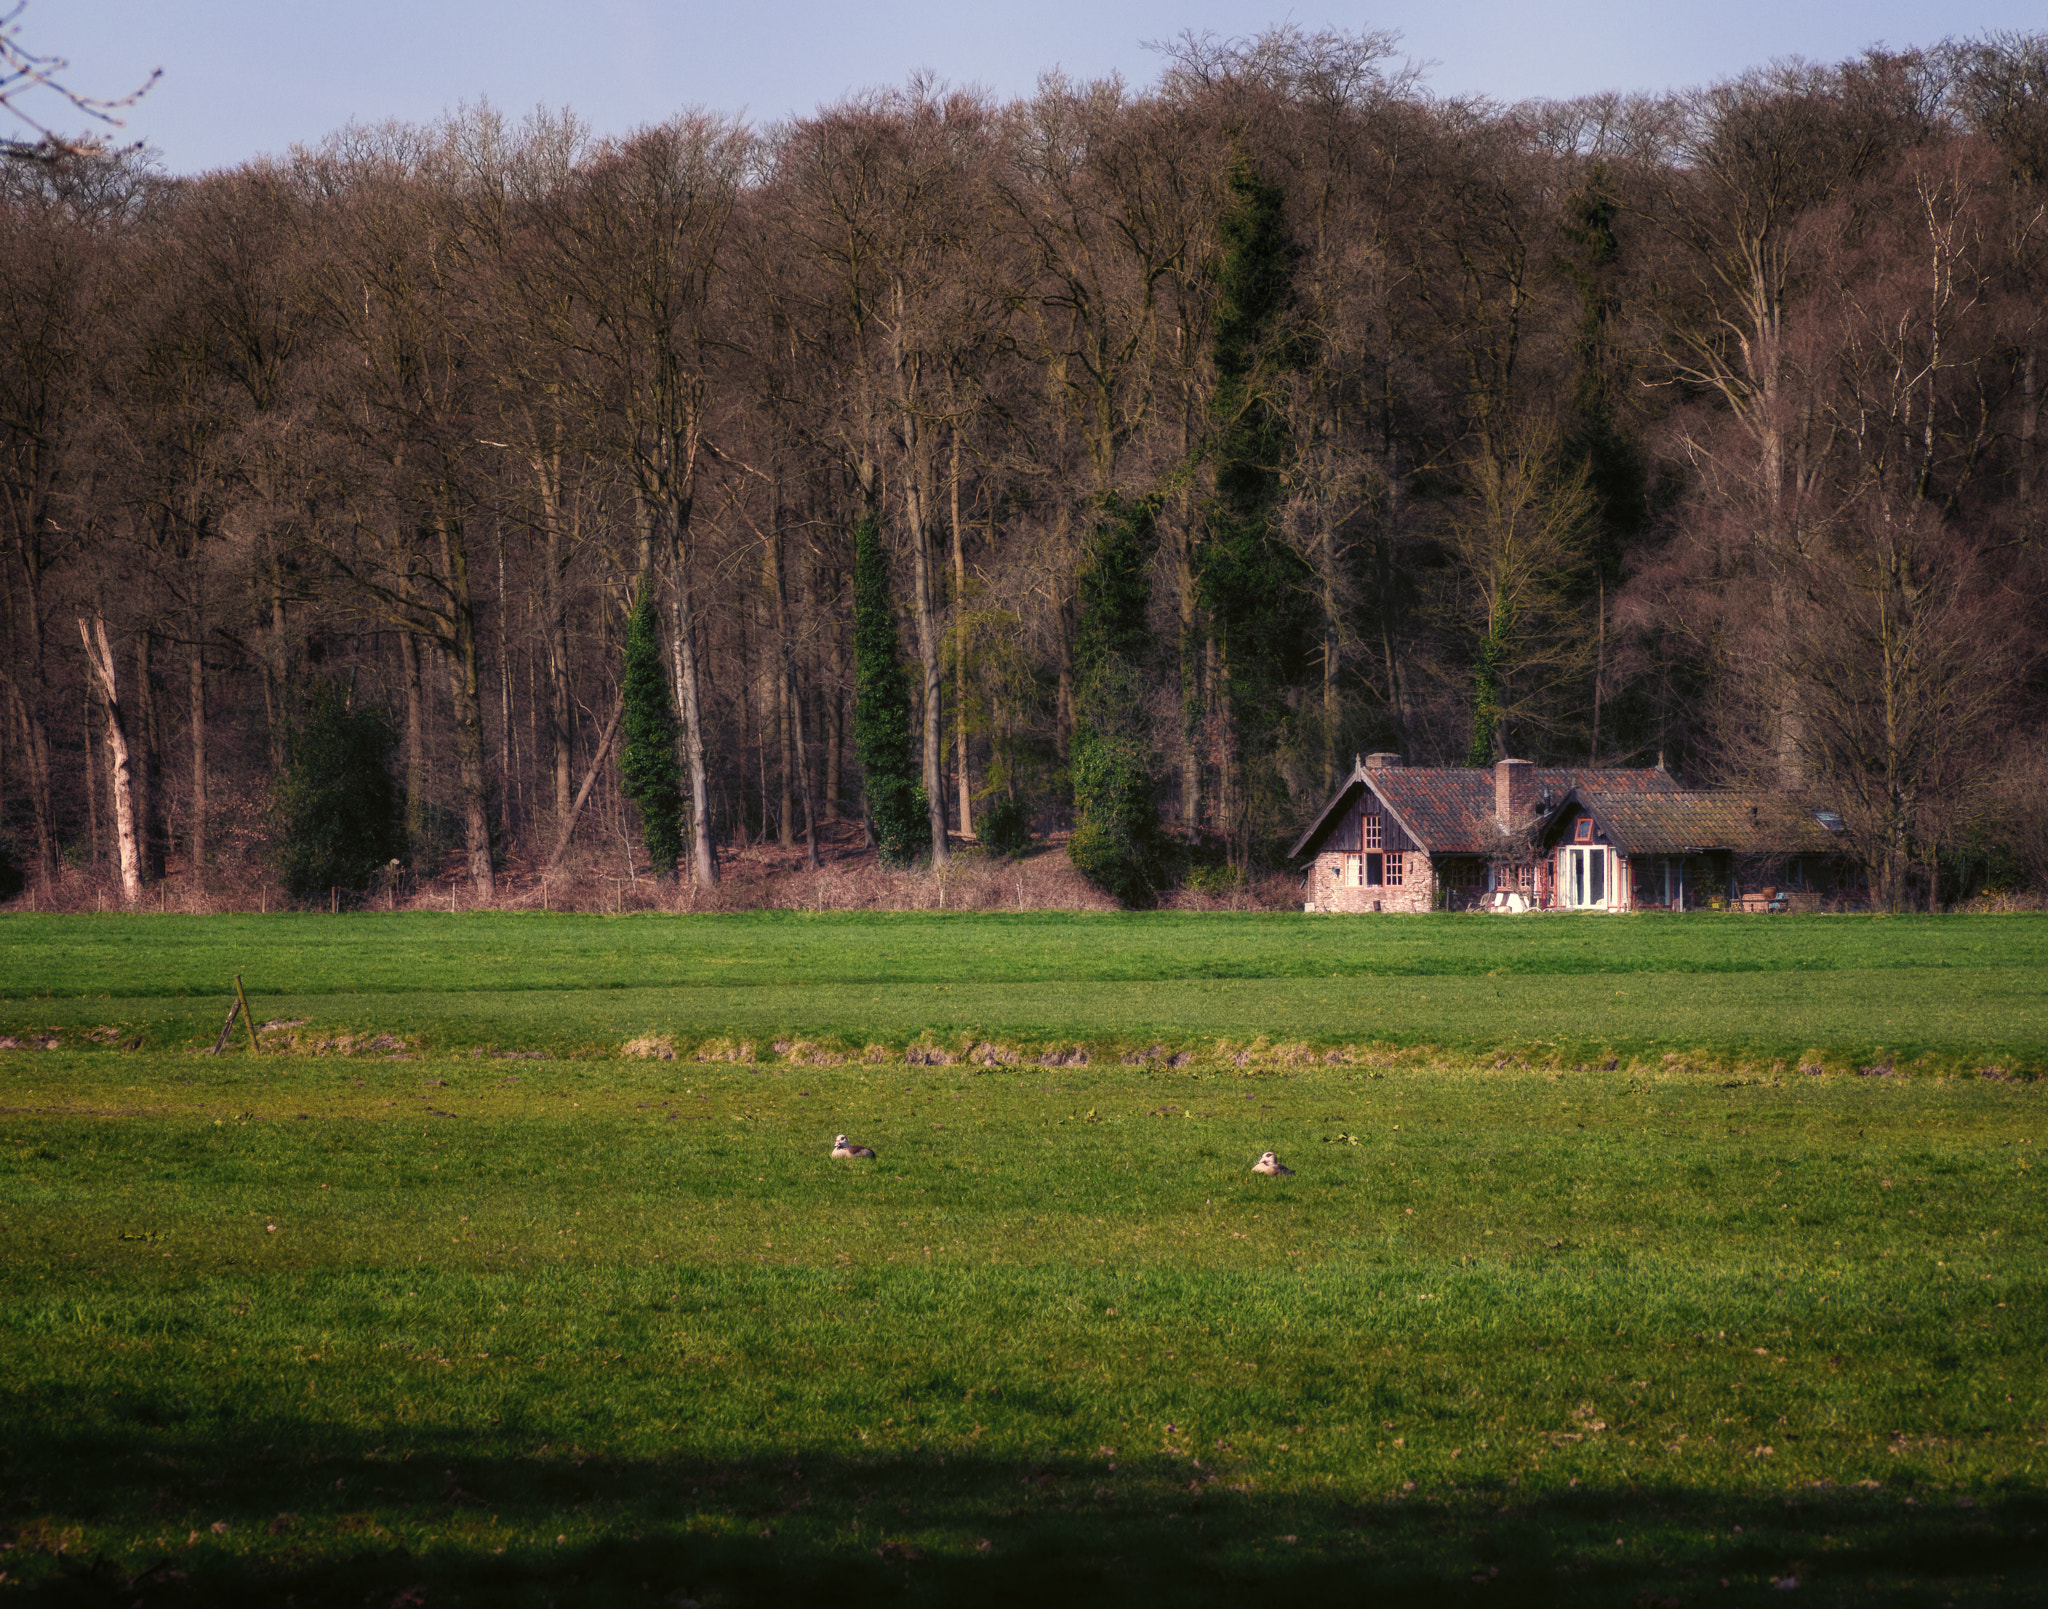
{"x": 1182, "y": 441}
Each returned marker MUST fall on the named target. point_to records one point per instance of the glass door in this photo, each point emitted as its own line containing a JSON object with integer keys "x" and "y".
{"x": 1585, "y": 878}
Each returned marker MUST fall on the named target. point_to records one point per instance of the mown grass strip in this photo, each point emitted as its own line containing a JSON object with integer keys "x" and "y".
{"x": 1947, "y": 994}
{"x": 371, "y": 953}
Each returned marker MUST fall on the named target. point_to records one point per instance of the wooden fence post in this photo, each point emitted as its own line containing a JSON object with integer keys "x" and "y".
{"x": 248, "y": 1016}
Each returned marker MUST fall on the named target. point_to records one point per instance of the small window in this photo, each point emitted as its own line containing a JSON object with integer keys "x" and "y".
{"x": 1525, "y": 876}
{"x": 1375, "y": 827}
{"x": 1375, "y": 870}
{"x": 1354, "y": 871}
{"x": 1394, "y": 869}
{"x": 1582, "y": 830}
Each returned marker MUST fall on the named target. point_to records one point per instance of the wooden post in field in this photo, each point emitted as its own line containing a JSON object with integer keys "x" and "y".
{"x": 227, "y": 1027}
{"x": 248, "y": 1016}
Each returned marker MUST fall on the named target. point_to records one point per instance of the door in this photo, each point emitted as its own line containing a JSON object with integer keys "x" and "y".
{"x": 1585, "y": 878}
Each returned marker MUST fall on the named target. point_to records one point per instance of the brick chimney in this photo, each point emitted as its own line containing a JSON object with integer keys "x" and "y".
{"x": 1514, "y": 792}
{"x": 1382, "y": 762}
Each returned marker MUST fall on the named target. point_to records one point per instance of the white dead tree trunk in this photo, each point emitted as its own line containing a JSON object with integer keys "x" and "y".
{"x": 100, "y": 657}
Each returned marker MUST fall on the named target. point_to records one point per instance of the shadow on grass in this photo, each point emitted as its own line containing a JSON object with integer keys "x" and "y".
{"x": 277, "y": 1517}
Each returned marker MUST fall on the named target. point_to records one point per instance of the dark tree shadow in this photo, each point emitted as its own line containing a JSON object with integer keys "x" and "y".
{"x": 346, "y": 1528}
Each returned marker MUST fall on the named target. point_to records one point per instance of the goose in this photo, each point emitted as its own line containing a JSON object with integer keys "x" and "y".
{"x": 842, "y": 1147}
{"x": 1269, "y": 1163}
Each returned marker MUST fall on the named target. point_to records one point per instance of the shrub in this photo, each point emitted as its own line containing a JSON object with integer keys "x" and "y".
{"x": 334, "y": 810}
{"x": 1218, "y": 882}
{"x": 1005, "y": 828}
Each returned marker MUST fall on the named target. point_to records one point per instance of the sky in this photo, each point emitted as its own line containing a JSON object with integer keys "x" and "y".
{"x": 244, "y": 78}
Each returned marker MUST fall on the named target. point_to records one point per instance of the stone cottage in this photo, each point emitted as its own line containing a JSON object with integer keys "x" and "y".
{"x": 1519, "y": 836}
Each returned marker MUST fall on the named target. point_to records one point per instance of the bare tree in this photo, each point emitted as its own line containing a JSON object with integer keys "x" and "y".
{"x": 99, "y": 656}
{"x": 24, "y": 74}
{"x": 638, "y": 254}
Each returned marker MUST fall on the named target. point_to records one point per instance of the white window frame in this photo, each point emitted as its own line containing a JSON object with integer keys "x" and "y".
{"x": 1575, "y": 874}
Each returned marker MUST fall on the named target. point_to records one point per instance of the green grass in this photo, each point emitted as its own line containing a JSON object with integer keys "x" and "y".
{"x": 606, "y": 1330}
{"x": 1962, "y": 992}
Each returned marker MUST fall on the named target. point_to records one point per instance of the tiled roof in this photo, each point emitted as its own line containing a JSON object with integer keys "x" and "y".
{"x": 1445, "y": 809}
{"x": 1673, "y": 823}
{"x": 1449, "y": 809}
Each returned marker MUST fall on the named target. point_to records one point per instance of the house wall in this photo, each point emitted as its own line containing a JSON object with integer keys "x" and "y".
{"x": 1326, "y": 890}
{"x": 1617, "y": 877}
{"x": 1350, "y": 842}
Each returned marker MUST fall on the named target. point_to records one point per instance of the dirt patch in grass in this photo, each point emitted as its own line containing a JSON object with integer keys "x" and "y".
{"x": 803, "y": 1053}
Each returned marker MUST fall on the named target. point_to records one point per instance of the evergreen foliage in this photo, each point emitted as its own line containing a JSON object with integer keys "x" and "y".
{"x": 1004, "y": 828}
{"x": 1116, "y": 843}
{"x": 649, "y": 774}
{"x": 1626, "y": 493}
{"x": 883, "y": 730}
{"x": 1488, "y": 716}
{"x": 1254, "y": 586}
{"x": 335, "y": 811}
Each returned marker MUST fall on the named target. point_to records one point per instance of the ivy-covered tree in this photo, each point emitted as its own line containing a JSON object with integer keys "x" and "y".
{"x": 883, "y": 732}
{"x": 333, "y": 807}
{"x": 1617, "y": 469}
{"x": 650, "y": 776}
{"x": 1254, "y": 586}
{"x": 1116, "y": 843}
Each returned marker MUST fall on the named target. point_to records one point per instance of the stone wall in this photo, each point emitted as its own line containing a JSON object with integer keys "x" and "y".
{"x": 1326, "y": 890}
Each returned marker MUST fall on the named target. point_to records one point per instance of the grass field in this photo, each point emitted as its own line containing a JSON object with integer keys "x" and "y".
{"x": 328, "y": 1328}
{"x": 1962, "y": 992}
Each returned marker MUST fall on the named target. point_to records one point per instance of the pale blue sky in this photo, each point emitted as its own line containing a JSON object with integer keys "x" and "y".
{"x": 244, "y": 77}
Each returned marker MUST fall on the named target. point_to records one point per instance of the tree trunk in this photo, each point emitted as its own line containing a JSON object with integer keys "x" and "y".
{"x": 100, "y": 656}
{"x": 566, "y": 827}
{"x": 703, "y": 857}
{"x": 835, "y": 708}
{"x": 506, "y": 754}
{"x": 152, "y": 809}
{"x": 785, "y": 733}
{"x": 1398, "y": 712}
{"x": 415, "y": 743}
{"x": 927, "y": 654}
{"x": 1213, "y": 729}
{"x": 276, "y": 666}
{"x": 1599, "y": 669}
{"x": 465, "y": 687}
{"x": 92, "y": 786}
{"x": 2028, "y": 423}
{"x": 561, "y": 709}
{"x": 965, "y": 783}
{"x": 1063, "y": 635}
{"x": 1326, "y": 562}
{"x": 803, "y": 769}
{"x": 35, "y": 746}
{"x": 195, "y": 835}
{"x": 795, "y": 757}
{"x": 1190, "y": 646}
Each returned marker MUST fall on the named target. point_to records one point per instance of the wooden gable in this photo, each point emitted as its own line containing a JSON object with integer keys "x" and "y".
{"x": 1577, "y": 826}
{"x": 1348, "y": 836}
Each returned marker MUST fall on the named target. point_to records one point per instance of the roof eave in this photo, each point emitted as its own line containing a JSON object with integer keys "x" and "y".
{"x": 1329, "y": 811}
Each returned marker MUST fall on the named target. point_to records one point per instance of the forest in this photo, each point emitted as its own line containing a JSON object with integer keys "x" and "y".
{"x": 446, "y": 507}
